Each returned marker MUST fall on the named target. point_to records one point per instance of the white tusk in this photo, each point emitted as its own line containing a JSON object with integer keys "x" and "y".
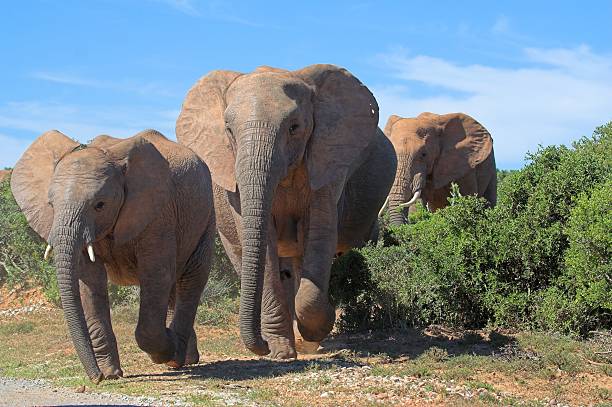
{"x": 47, "y": 252}
{"x": 416, "y": 196}
{"x": 382, "y": 210}
{"x": 90, "y": 251}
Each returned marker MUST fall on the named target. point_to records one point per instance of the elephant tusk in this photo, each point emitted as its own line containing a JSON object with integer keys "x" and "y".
{"x": 382, "y": 210}
{"x": 47, "y": 252}
{"x": 90, "y": 251}
{"x": 416, "y": 196}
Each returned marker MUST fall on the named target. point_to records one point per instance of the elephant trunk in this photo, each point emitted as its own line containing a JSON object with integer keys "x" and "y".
{"x": 405, "y": 188}
{"x": 257, "y": 180}
{"x": 68, "y": 239}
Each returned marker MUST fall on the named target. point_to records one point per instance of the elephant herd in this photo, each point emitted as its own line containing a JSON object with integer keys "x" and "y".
{"x": 288, "y": 167}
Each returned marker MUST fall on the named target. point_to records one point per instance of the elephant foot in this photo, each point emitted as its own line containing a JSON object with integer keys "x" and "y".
{"x": 190, "y": 359}
{"x": 314, "y": 325}
{"x": 306, "y": 347}
{"x": 160, "y": 354}
{"x": 112, "y": 374}
{"x": 302, "y": 345}
{"x": 184, "y": 357}
{"x": 109, "y": 366}
{"x": 281, "y": 348}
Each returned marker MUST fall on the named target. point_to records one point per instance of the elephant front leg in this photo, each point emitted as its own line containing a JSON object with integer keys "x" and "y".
{"x": 277, "y": 315}
{"x": 315, "y": 315}
{"x": 94, "y": 296}
{"x": 157, "y": 275}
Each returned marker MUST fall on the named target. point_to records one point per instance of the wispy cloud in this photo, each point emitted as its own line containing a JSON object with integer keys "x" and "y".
{"x": 22, "y": 122}
{"x": 556, "y": 97}
{"x": 184, "y": 6}
{"x": 223, "y": 11}
{"x": 128, "y": 85}
{"x": 501, "y": 25}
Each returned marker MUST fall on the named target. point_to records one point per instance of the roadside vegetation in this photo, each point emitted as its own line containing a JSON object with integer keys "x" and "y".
{"x": 539, "y": 260}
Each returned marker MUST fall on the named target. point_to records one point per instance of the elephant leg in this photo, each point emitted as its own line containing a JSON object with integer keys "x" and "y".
{"x": 94, "y": 296}
{"x": 276, "y": 314}
{"x": 301, "y": 344}
{"x": 156, "y": 273}
{"x": 189, "y": 289}
{"x": 315, "y": 315}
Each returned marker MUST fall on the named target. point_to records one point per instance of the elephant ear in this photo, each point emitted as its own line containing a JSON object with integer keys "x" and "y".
{"x": 32, "y": 176}
{"x": 465, "y": 143}
{"x": 389, "y": 126}
{"x": 201, "y": 126}
{"x": 147, "y": 186}
{"x": 345, "y": 122}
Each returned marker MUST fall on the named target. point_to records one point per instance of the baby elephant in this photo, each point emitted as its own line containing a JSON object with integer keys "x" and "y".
{"x": 138, "y": 211}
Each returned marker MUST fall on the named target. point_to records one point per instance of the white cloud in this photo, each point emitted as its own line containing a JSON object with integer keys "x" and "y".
{"x": 557, "y": 97}
{"x": 184, "y": 6}
{"x": 127, "y": 85}
{"x": 31, "y": 119}
{"x": 213, "y": 10}
{"x": 501, "y": 25}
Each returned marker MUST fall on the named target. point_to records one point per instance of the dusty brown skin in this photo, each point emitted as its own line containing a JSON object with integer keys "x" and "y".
{"x": 435, "y": 150}
{"x": 300, "y": 170}
{"x": 144, "y": 204}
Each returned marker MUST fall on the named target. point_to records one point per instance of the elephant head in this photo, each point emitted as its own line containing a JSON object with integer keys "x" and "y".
{"x": 73, "y": 196}
{"x": 433, "y": 151}
{"x": 253, "y": 129}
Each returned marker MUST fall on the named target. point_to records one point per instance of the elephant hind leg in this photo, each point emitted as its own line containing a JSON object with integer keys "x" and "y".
{"x": 189, "y": 289}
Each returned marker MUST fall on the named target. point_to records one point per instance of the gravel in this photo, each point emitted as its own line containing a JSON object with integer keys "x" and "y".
{"x": 21, "y": 392}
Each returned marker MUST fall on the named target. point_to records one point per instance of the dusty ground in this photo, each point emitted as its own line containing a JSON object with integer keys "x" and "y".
{"x": 436, "y": 366}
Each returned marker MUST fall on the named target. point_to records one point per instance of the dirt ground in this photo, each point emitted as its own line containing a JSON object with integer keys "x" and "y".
{"x": 435, "y": 366}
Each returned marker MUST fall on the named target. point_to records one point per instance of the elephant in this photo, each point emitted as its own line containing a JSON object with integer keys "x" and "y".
{"x": 135, "y": 211}
{"x": 300, "y": 169}
{"x": 434, "y": 151}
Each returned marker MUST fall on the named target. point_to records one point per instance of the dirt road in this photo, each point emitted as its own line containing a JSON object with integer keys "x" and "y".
{"x": 21, "y": 392}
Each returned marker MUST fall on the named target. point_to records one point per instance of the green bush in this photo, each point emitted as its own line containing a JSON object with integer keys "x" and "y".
{"x": 539, "y": 259}
{"x": 21, "y": 249}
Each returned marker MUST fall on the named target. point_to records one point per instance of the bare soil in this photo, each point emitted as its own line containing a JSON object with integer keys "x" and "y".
{"x": 435, "y": 366}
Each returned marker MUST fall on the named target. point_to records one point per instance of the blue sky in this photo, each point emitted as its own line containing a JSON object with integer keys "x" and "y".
{"x": 531, "y": 72}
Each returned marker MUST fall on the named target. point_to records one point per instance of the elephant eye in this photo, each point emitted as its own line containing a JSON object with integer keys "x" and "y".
{"x": 293, "y": 129}
{"x": 99, "y": 206}
{"x": 423, "y": 154}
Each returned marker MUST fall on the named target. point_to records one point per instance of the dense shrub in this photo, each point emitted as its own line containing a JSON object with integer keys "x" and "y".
{"x": 21, "y": 249}
{"x": 539, "y": 259}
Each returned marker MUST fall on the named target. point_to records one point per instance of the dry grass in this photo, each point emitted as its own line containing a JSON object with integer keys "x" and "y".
{"x": 439, "y": 366}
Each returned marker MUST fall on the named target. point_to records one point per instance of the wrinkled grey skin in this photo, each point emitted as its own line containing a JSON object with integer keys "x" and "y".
{"x": 300, "y": 170}
{"x": 434, "y": 151}
{"x": 144, "y": 204}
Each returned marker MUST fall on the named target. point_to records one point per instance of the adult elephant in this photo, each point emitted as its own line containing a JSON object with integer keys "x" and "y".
{"x": 300, "y": 169}
{"x": 138, "y": 211}
{"x": 435, "y": 150}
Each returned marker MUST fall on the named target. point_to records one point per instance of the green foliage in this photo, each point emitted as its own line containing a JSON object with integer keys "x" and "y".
{"x": 539, "y": 259}
{"x": 21, "y": 249}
